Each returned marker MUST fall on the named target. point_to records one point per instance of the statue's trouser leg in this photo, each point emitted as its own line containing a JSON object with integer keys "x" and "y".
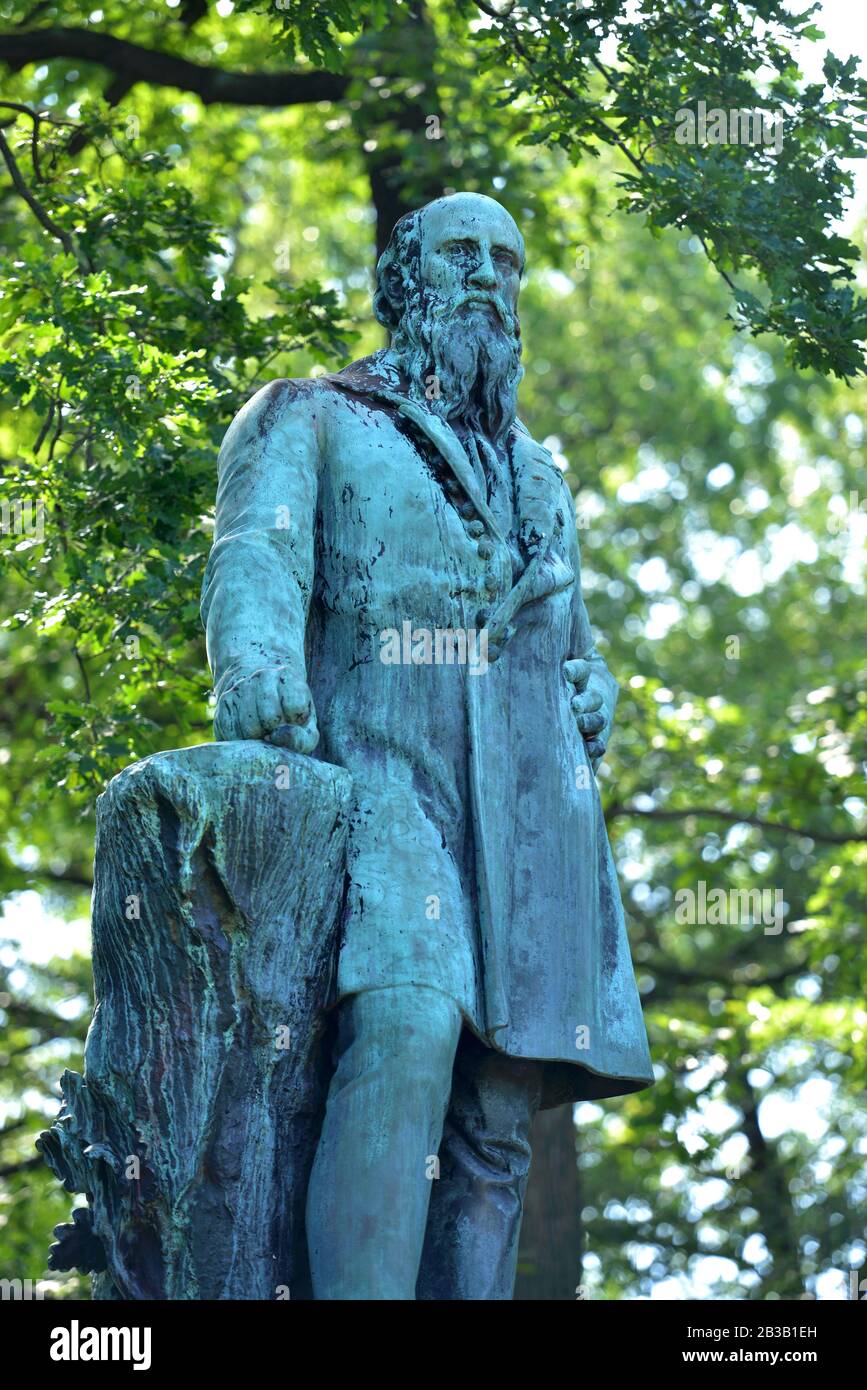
{"x": 471, "y": 1248}
{"x": 370, "y": 1187}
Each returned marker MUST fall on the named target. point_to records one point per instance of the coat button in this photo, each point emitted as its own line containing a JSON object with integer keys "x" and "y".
{"x": 476, "y": 528}
{"x": 467, "y": 510}
{"x": 493, "y": 651}
{"x": 485, "y": 549}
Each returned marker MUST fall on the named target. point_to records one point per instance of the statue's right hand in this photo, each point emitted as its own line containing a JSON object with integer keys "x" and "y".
{"x": 268, "y": 700}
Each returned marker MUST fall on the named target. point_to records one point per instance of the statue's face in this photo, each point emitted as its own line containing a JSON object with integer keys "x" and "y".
{"x": 471, "y": 253}
{"x": 459, "y": 325}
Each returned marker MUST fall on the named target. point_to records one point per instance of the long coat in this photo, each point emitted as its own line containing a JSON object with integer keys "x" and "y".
{"x": 350, "y": 529}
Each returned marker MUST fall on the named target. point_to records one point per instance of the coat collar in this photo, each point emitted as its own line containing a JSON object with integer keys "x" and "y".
{"x": 538, "y": 480}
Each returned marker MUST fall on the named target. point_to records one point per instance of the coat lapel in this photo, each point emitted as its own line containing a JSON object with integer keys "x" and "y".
{"x": 443, "y": 437}
{"x": 538, "y": 480}
{"x": 541, "y": 520}
{"x": 373, "y": 377}
{"x": 539, "y": 488}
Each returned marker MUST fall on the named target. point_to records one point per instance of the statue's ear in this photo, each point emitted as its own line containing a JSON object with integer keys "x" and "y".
{"x": 398, "y": 266}
{"x": 388, "y": 302}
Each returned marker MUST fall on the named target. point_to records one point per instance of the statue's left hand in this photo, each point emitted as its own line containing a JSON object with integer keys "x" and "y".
{"x": 589, "y": 709}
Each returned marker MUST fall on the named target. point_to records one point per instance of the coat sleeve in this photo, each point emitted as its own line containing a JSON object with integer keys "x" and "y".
{"x": 259, "y": 577}
{"x": 581, "y": 636}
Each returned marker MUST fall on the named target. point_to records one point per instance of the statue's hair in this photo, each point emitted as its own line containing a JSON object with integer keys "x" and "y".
{"x": 398, "y": 271}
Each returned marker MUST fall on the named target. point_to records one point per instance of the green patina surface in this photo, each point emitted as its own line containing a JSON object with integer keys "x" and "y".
{"x": 217, "y": 881}
{"x": 393, "y": 596}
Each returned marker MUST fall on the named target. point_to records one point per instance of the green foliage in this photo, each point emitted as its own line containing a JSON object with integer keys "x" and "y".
{"x": 192, "y": 252}
{"x": 709, "y": 477}
{"x": 126, "y": 414}
{"x": 45, "y": 1019}
{"x": 757, "y": 209}
{"x": 315, "y": 27}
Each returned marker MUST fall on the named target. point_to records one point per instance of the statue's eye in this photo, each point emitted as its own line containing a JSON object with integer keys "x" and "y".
{"x": 461, "y": 248}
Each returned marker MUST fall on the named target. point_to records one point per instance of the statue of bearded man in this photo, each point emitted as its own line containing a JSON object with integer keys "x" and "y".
{"x": 394, "y": 587}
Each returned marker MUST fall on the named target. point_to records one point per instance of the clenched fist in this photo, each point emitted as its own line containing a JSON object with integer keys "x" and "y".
{"x": 273, "y": 704}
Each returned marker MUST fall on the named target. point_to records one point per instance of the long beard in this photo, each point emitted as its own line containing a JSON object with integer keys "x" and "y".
{"x": 464, "y": 363}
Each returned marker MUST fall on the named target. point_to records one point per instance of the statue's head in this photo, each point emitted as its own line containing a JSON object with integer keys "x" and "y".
{"x": 447, "y": 290}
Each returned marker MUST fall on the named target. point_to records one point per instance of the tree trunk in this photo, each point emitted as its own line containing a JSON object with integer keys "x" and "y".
{"x": 769, "y": 1189}
{"x": 549, "y": 1258}
{"x": 401, "y": 177}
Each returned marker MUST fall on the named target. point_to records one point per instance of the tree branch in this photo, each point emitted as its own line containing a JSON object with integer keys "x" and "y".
{"x": 672, "y": 975}
{"x": 138, "y": 64}
{"x": 25, "y": 1165}
{"x": 72, "y": 877}
{"x": 24, "y": 1015}
{"x": 32, "y": 201}
{"x": 36, "y": 117}
{"x": 824, "y": 837}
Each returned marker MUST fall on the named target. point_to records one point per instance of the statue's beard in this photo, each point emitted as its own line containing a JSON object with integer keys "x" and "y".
{"x": 464, "y": 361}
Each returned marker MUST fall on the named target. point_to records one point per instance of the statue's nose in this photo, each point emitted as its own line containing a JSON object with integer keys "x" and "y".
{"x": 484, "y": 277}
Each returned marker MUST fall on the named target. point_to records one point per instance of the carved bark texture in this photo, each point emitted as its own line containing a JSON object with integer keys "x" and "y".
{"x": 218, "y": 876}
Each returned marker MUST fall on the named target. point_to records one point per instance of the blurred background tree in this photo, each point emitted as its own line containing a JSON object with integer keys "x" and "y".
{"x": 194, "y": 196}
